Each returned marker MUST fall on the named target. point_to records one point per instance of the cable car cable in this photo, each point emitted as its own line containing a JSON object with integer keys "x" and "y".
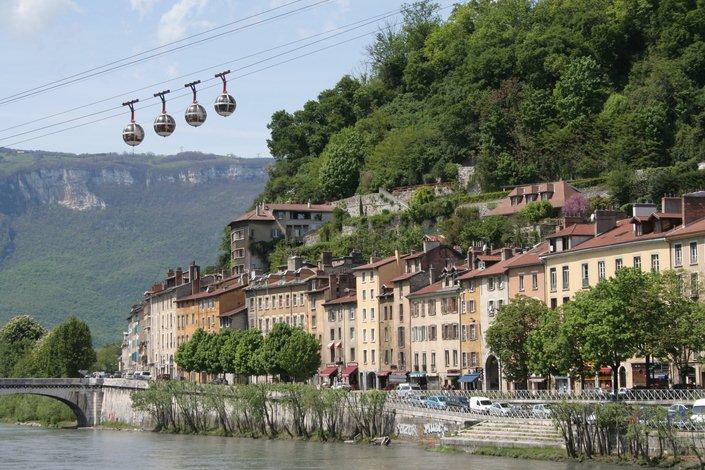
{"x": 377, "y": 18}
{"x": 159, "y": 54}
{"x": 117, "y": 61}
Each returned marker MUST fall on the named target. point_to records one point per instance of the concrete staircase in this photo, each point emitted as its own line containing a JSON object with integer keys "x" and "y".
{"x": 507, "y": 433}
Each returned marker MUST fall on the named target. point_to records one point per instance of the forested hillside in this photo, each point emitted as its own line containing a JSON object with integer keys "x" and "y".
{"x": 525, "y": 90}
{"x": 86, "y": 235}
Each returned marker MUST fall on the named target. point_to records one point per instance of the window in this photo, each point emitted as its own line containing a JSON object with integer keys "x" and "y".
{"x": 471, "y": 285}
{"x": 352, "y": 313}
{"x": 473, "y": 359}
{"x": 471, "y": 306}
{"x": 372, "y": 334}
{"x": 636, "y": 262}
{"x": 372, "y": 313}
{"x": 465, "y": 359}
{"x": 693, "y": 252}
{"x": 364, "y": 335}
{"x": 654, "y": 263}
{"x": 618, "y": 264}
{"x": 332, "y": 334}
{"x": 463, "y": 333}
{"x": 372, "y": 294}
{"x": 600, "y": 270}
{"x": 416, "y": 361}
{"x": 364, "y": 294}
{"x": 586, "y": 275}
{"x": 490, "y": 283}
{"x": 565, "y": 271}
{"x": 352, "y": 354}
{"x": 490, "y": 308}
{"x": 678, "y": 258}
{"x": 364, "y": 356}
{"x": 521, "y": 282}
{"x": 352, "y": 333}
{"x": 432, "y": 333}
{"x": 554, "y": 280}
{"x": 364, "y": 314}
{"x": 239, "y": 234}
{"x": 534, "y": 281}
{"x": 472, "y": 335}
{"x": 455, "y": 358}
{"x": 401, "y": 312}
{"x": 446, "y": 356}
{"x": 364, "y": 273}
{"x": 276, "y": 233}
{"x": 372, "y": 354}
{"x": 400, "y": 336}
{"x": 239, "y": 253}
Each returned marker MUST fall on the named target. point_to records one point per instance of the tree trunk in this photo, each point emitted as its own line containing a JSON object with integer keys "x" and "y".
{"x": 615, "y": 379}
{"x": 647, "y": 363}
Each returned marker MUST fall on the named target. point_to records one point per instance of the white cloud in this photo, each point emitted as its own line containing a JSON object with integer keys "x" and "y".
{"x": 174, "y": 23}
{"x": 143, "y": 7}
{"x": 31, "y": 16}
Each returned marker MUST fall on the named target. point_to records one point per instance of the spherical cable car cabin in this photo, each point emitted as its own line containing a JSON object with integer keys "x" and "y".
{"x": 132, "y": 133}
{"x": 195, "y": 113}
{"x": 224, "y": 104}
{"x": 164, "y": 124}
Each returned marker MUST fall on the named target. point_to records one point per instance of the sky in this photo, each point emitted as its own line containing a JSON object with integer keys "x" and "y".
{"x": 47, "y": 40}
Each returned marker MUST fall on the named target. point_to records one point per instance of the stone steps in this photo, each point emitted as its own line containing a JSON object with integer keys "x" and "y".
{"x": 507, "y": 434}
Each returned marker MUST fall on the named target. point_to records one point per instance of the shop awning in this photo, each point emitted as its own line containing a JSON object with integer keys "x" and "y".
{"x": 400, "y": 374}
{"x": 470, "y": 378}
{"x": 452, "y": 373}
{"x": 328, "y": 371}
{"x": 418, "y": 373}
{"x": 384, "y": 373}
{"x": 334, "y": 344}
{"x": 349, "y": 370}
{"x": 537, "y": 380}
{"x": 605, "y": 370}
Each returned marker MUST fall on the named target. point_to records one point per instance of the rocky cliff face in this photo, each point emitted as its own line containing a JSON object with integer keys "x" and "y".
{"x": 78, "y": 188}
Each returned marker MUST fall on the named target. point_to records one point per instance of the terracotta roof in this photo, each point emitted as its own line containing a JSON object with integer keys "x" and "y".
{"x": 693, "y": 228}
{"x": 347, "y": 299}
{"x": 562, "y": 191}
{"x": 490, "y": 257}
{"x": 234, "y": 311}
{"x": 529, "y": 258}
{"x": 266, "y": 212}
{"x": 497, "y": 268}
{"x": 406, "y": 276}
{"x": 376, "y": 264}
{"x": 622, "y": 233}
{"x": 430, "y": 289}
{"x": 414, "y": 255}
{"x": 213, "y": 293}
{"x": 575, "y": 229}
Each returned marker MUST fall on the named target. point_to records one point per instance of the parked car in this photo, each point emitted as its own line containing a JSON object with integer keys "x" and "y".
{"x": 698, "y": 412}
{"x": 341, "y": 386}
{"x": 541, "y": 411}
{"x": 458, "y": 403}
{"x": 501, "y": 409}
{"x": 480, "y": 405}
{"x": 220, "y": 381}
{"x": 437, "y": 402}
{"x": 142, "y": 375}
{"x": 414, "y": 398}
{"x": 405, "y": 389}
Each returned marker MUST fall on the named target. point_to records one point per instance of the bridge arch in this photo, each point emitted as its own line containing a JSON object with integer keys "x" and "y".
{"x": 81, "y": 418}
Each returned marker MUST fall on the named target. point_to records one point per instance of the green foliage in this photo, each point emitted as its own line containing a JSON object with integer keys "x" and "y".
{"x": 107, "y": 357}
{"x": 301, "y": 355}
{"x": 30, "y": 408}
{"x": 536, "y": 211}
{"x": 508, "y": 335}
{"x": 17, "y": 338}
{"x": 67, "y": 349}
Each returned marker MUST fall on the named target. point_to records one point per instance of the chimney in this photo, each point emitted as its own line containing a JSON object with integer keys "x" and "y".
{"x": 431, "y": 274}
{"x": 429, "y": 243}
{"x": 195, "y": 277}
{"x": 170, "y": 273}
{"x": 179, "y": 276}
{"x": 507, "y": 253}
{"x": 643, "y": 209}
{"x": 693, "y": 207}
{"x": 308, "y": 204}
{"x": 334, "y": 287}
{"x": 486, "y": 250}
{"x": 294, "y": 262}
{"x": 671, "y": 205}
{"x": 326, "y": 259}
{"x": 605, "y": 221}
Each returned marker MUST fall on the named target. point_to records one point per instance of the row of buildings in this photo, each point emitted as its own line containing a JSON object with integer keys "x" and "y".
{"x": 419, "y": 316}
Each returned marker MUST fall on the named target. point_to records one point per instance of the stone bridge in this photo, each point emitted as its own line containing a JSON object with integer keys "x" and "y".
{"x": 83, "y": 396}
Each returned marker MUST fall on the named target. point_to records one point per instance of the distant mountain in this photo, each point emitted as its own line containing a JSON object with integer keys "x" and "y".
{"x": 87, "y": 234}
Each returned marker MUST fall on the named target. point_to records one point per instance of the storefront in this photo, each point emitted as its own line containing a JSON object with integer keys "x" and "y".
{"x": 470, "y": 381}
{"x": 562, "y": 383}
{"x": 538, "y": 383}
{"x": 349, "y": 375}
{"x": 451, "y": 381}
{"x": 383, "y": 379}
{"x": 327, "y": 375}
{"x": 419, "y": 377}
{"x": 398, "y": 377}
{"x": 604, "y": 378}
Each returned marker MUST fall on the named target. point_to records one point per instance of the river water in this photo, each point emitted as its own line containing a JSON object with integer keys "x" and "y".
{"x": 38, "y": 448}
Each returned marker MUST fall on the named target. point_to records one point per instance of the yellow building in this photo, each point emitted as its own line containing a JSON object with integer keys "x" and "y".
{"x": 580, "y": 260}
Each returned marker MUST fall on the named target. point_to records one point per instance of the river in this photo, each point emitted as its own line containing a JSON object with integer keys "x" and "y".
{"x": 39, "y": 448}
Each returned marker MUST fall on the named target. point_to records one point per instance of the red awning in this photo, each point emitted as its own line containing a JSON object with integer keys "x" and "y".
{"x": 384, "y": 373}
{"x": 606, "y": 370}
{"x": 331, "y": 344}
{"x": 349, "y": 370}
{"x": 329, "y": 371}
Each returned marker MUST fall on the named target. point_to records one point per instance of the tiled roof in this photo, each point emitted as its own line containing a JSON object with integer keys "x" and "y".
{"x": 497, "y": 268}
{"x": 562, "y": 191}
{"x": 347, "y": 299}
{"x": 214, "y": 293}
{"x": 234, "y": 311}
{"x": 490, "y": 257}
{"x": 266, "y": 212}
{"x": 575, "y": 229}
{"x": 693, "y": 228}
{"x": 376, "y": 264}
{"x": 529, "y": 258}
{"x": 622, "y": 233}
{"x": 430, "y": 289}
{"x": 406, "y": 276}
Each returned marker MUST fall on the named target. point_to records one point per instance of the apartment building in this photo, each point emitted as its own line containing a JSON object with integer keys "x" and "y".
{"x": 639, "y": 242}
{"x": 267, "y": 222}
{"x": 339, "y": 340}
{"x": 556, "y": 193}
{"x": 435, "y": 345}
{"x": 369, "y": 281}
{"x": 130, "y": 360}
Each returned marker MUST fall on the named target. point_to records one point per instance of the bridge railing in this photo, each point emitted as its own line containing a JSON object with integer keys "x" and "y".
{"x": 591, "y": 395}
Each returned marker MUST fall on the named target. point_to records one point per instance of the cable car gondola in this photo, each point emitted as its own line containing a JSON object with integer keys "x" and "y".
{"x": 195, "y": 113}
{"x": 164, "y": 124}
{"x": 132, "y": 134}
{"x": 224, "y": 104}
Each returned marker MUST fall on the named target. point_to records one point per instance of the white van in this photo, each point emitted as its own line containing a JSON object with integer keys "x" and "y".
{"x": 480, "y": 405}
{"x": 698, "y": 415}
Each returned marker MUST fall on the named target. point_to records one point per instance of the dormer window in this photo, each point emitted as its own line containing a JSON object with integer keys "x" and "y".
{"x": 546, "y": 195}
{"x": 515, "y": 200}
{"x": 638, "y": 230}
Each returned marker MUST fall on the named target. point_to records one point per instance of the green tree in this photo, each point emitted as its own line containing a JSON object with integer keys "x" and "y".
{"x": 343, "y": 158}
{"x": 580, "y": 92}
{"x": 231, "y": 339}
{"x": 107, "y": 357}
{"x": 247, "y": 353}
{"x": 270, "y": 355}
{"x": 17, "y": 338}
{"x": 508, "y": 336}
{"x": 536, "y": 211}
{"x": 66, "y": 350}
{"x": 301, "y": 355}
